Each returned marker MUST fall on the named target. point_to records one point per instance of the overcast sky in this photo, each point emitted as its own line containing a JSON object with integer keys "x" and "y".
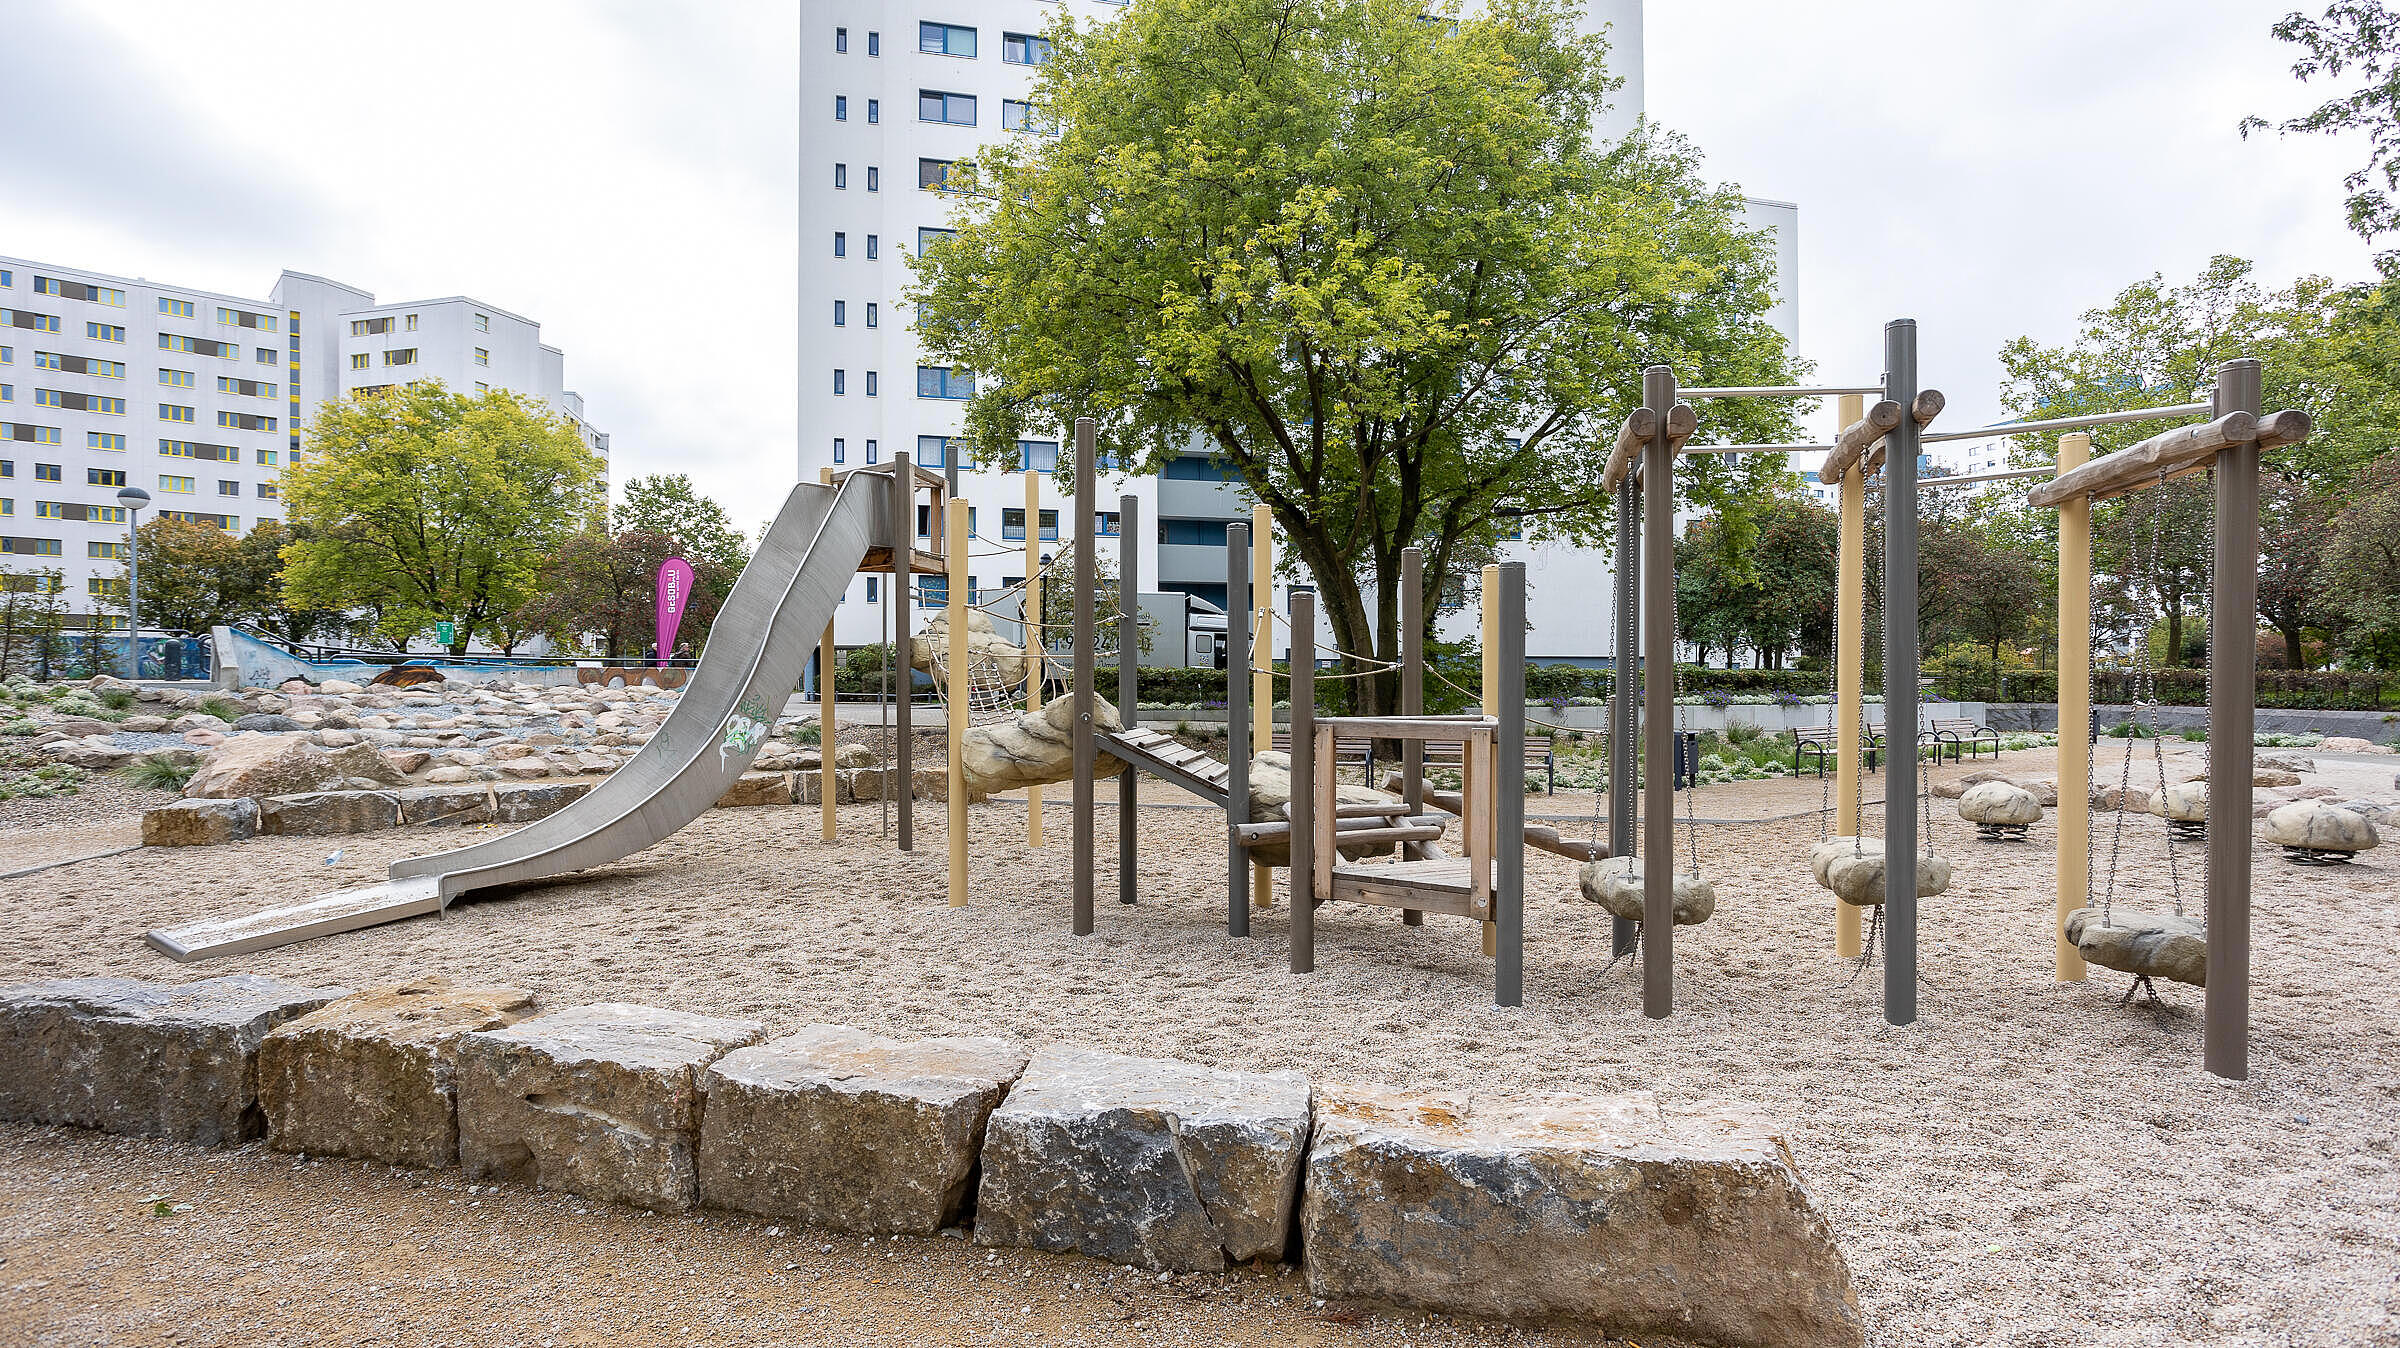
{"x": 623, "y": 173}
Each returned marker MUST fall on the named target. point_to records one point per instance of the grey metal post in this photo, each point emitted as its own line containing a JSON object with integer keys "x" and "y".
{"x": 1129, "y": 672}
{"x": 1303, "y": 808}
{"x": 2232, "y": 689}
{"x": 1508, "y": 972}
{"x": 133, "y": 499}
{"x": 1624, "y": 709}
{"x": 1086, "y": 580}
{"x": 901, "y": 787}
{"x": 1658, "y": 695}
{"x": 1900, "y": 678}
{"x": 1412, "y": 690}
{"x": 1237, "y": 727}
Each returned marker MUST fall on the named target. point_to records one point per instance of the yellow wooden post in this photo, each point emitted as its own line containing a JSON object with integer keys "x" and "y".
{"x": 1262, "y": 659}
{"x": 1500, "y": 772}
{"x": 2074, "y": 706}
{"x": 825, "y": 786}
{"x": 1033, "y": 635}
{"x": 1849, "y": 664}
{"x": 957, "y": 684}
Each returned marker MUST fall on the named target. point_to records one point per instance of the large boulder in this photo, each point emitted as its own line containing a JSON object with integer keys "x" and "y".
{"x": 1615, "y": 883}
{"x": 148, "y": 1059}
{"x": 1163, "y": 1165}
{"x": 2318, "y": 827}
{"x": 2158, "y": 945}
{"x": 266, "y": 721}
{"x": 199, "y": 823}
{"x": 2183, "y": 802}
{"x": 1271, "y": 799}
{"x": 757, "y": 788}
{"x": 1857, "y": 878}
{"x": 991, "y": 662}
{"x": 860, "y": 756}
{"x": 285, "y": 765}
{"x": 2001, "y": 804}
{"x": 373, "y": 1074}
{"x": 94, "y": 753}
{"x": 600, "y": 1100}
{"x": 1571, "y": 1209}
{"x": 326, "y": 813}
{"x": 522, "y": 803}
{"x": 1033, "y": 748}
{"x": 851, "y": 1131}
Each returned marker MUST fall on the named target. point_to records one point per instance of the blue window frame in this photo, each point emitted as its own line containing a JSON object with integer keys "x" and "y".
{"x": 933, "y": 105}
{"x": 1037, "y": 456}
{"x": 1012, "y": 524}
{"x": 841, "y": 244}
{"x": 1024, "y": 49}
{"x": 946, "y": 39}
{"x": 874, "y": 178}
{"x": 1197, "y": 468}
{"x": 840, "y": 382}
{"x": 841, "y": 313}
{"x": 874, "y": 110}
{"x": 841, "y": 39}
{"x": 873, "y": 251}
{"x": 1106, "y": 524}
{"x": 1049, "y": 526}
{"x": 875, "y": 42}
{"x": 872, "y": 457}
{"x": 1202, "y": 533}
{"x": 937, "y": 381}
{"x": 928, "y": 236}
{"x": 874, "y": 591}
{"x": 841, "y": 107}
{"x": 933, "y": 174}
{"x": 871, "y": 314}
{"x": 841, "y": 176}
{"x": 870, "y": 383}
{"x": 933, "y": 451}
{"x": 837, "y": 449}
{"x": 932, "y": 591}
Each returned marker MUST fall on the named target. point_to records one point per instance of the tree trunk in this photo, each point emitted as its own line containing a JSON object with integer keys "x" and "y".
{"x": 2291, "y": 645}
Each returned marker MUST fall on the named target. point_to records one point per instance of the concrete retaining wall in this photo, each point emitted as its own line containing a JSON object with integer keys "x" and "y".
{"x": 2382, "y": 727}
{"x": 1592, "y": 1211}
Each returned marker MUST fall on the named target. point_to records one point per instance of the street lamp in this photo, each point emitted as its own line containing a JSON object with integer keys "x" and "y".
{"x": 133, "y": 499}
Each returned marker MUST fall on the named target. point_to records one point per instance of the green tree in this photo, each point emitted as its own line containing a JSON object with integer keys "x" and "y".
{"x": 2361, "y": 36}
{"x": 605, "y": 586}
{"x": 190, "y": 577}
{"x": 2362, "y": 568}
{"x": 419, "y": 504}
{"x": 1376, "y": 264}
{"x": 696, "y": 527}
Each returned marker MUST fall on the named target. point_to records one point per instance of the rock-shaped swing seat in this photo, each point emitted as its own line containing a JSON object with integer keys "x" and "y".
{"x": 1615, "y": 883}
{"x": 2314, "y": 829}
{"x": 2146, "y": 945}
{"x": 2182, "y": 803}
{"x": 1853, "y": 869}
{"x": 1999, "y": 805}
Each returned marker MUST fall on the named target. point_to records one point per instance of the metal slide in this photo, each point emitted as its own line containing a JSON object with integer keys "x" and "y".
{"x": 757, "y": 648}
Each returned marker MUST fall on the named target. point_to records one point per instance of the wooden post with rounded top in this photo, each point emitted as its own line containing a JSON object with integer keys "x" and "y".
{"x": 957, "y": 685}
{"x": 1850, "y": 669}
{"x": 1491, "y": 707}
{"x": 1034, "y": 634}
{"x": 2074, "y": 707}
{"x": 825, "y": 698}
{"x": 1262, "y": 656}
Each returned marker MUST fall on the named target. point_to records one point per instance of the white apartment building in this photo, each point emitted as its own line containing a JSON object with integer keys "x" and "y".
{"x": 201, "y": 398}
{"x": 892, "y": 91}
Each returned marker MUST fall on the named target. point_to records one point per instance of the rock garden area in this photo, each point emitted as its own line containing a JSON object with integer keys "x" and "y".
{"x": 2030, "y": 1164}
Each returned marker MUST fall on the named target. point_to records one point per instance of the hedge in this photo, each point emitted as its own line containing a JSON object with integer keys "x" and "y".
{"x": 2287, "y": 689}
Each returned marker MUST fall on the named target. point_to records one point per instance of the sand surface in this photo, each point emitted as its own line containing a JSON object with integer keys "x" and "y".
{"x": 2027, "y": 1164}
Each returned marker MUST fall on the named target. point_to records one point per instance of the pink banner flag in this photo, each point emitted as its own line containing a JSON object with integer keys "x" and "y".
{"x": 674, "y": 595}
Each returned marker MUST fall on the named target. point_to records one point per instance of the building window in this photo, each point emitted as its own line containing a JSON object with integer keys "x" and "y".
{"x": 870, "y": 383}
{"x": 871, "y": 455}
{"x": 841, "y": 177}
{"x": 1037, "y": 456}
{"x": 873, "y": 248}
{"x": 841, "y": 107}
{"x": 173, "y": 412}
{"x": 107, "y": 440}
{"x": 873, "y": 589}
{"x": 18, "y": 430}
{"x": 245, "y": 421}
{"x": 932, "y": 591}
{"x": 1024, "y": 49}
{"x": 1106, "y": 524}
{"x": 870, "y": 313}
{"x": 358, "y": 361}
{"x": 1017, "y": 115}
{"x": 266, "y": 355}
{"x": 838, "y": 449}
{"x": 874, "y": 178}
{"x": 946, "y": 39}
{"x": 841, "y": 244}
{"x": 8, "y": 355}
{"x": 105, "y": 587}
{"x": 48, "y": 472}
{"x": 841, "y": 381}
{"x": 228, "y": 488}
{"x": 841, "y": 39}
{"x": 268, "y": 491}
{"x": 480, "y": 387}
{"x": 874, "y": 111}
{"x": 114, "y": 552}
{"x": 1012, "y": 524}
{"x": 406, "y": 355}
{"x": 928, "y": 236}
{"x": 267, "y": 457}
{"x": 243, "y": 318}
{"x": 18, "y": 318}
{"x": 874, "y": 43}
{"x": 1049, "y": 526}
{"x": 954, "y": 109}
{"x": 933, "y": 451}
{"x": 104, "y": 332}
{"x": 936, "y": 381}
{"x": 180, "y": 485}
{"x": 177, "y": 308}
{"x": 225, "y": 522}
{"x": 483, "y": 355}
{"x": 412, "y": 323}
{"x": 933, "y": 174}
{"x": 841, "y": 313}
{"x": 483, "y": 322}
{"x": 104, "y": 477}
{"x": 370, "y": 327}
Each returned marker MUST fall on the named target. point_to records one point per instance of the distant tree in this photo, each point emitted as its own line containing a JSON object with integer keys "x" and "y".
{"x": 33, "y": 623}
{"x": 604, "y": 587}
{"x": 420, "y": 504}
{"x": 696, "y": 527}
{"x": 1985, "y": 590}
{"x": 2360, "y": 35}
{"x": 2362, "y": 568}
{"x": 191, "y": 577}
{"x": 2291, "y": 581}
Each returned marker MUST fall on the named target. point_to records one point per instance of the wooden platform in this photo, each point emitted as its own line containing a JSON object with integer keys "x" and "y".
{"x": 1445, "y": 885}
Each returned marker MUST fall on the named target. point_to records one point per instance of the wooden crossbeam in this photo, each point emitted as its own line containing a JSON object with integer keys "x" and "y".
{"x": 2168, "y": 454}
{"x": 1854, "y": 439}
{"x": 1682, "y": 420}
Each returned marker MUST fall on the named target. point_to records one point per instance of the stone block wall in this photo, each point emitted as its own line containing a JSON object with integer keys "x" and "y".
{"x": 1586, "y": 1211}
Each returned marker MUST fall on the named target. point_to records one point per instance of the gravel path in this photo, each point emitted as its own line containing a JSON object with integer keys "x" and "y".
{"x": 2028, "y": 1165}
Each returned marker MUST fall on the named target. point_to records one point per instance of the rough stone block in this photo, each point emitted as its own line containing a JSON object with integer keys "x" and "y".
{"x": 2003, "y": 804}
{"x": 1615, "y": 883}
{"x": 808, "y": 788}
{"x": 1160, "y": 1164}
{"x": 522, "y": 804}
{"x": 150, "y": 1059}
{"x": 444, "y": 805}
{"x": 373, "y": 1074}
{"x": 600, "y": 1100}
{"x": 2319, "y": 827}
{"x": 851, "y": 1131}
{"x": 1587, "y": 1210}
{"x": 323, "y": 812}
{"x": 199, "y": 823}
{"x": 757, "y": 788}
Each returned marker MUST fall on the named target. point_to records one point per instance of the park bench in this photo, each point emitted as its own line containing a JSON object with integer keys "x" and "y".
{"x": 1348, "y": 752}
{"x": 1539, "y": 757}
{"x": 1823, "y": 743}
{"x": 1962, "y": 737}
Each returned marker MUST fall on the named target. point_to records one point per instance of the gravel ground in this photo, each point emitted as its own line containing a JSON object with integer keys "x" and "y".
{"x": 2029, "y": 1164}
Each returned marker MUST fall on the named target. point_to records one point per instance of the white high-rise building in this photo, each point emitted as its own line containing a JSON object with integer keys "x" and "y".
{"x": 893, "y": 91}
{"x": 200, "y": 398}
